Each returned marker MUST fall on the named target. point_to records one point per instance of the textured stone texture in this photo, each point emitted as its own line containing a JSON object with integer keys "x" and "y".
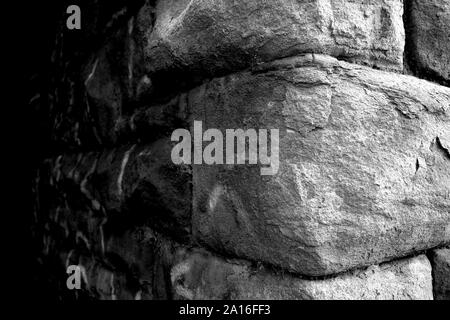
{"x": 440, "y": 260}
{"x": 210, "y": 37}
{"x": 139, "y": 182}
{"x": 159, "y": 51}
{"x": 115, "y": 82}
{"x": 136, "y": 265}
{"x": 201, "y": 276}
{"x": 429, "y": 38}
{"x": 365, "y": 163}
{"x": 105, "y": 284}
{"x": 364, "y": 166}
{"x": 62, "y": 117}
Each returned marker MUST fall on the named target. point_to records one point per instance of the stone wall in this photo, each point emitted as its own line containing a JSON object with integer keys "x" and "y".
{"x": 360, "y": 206}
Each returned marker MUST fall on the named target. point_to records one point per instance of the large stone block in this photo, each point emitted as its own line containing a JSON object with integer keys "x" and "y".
{"x": 201, "y": 276}
{"x": 428, "y": 25}
{"x": 364, "y": 172}
{"x": 208, "y": 38}
{"x": 440, "y": 260}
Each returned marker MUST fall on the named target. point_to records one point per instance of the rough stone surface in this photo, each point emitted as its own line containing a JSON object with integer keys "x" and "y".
{"x": 97, "y": 77}
{"x": 161, "y": 50}
{"x": 201, "y": 276}
{"x": 115, "y": 84}
{"x": 428, "y": 42}
{"x": 103, "y": 283}
{"x": 136, "y": 265}
{"x": 364, "y": 166}
{"x": 213, "y": 37}
{"x": 364, "y": 177}
{"x": 440, "y": 260}
{"x": 139, "y": 182}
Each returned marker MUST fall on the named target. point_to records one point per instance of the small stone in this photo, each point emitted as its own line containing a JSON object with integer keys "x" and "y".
{"x": 440, "y": 261}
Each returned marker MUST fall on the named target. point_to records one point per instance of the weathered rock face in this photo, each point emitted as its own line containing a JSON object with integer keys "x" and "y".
{"x": 134, "y": 265}
{"x": 364, "y": 166}
{"x": 114, "y": 79}
{"x": 200, "y": 276}
{"x": 105, "y": 284}
{"x": 181, "y": 43}
{"x": 440, "y": 260}
{"x": 210, "y": 37}
{"x": 65, "y": 118}
{"x": 359, "y": 192}
{"x": 429, "y": 38}
{"x": 139, "y": 182}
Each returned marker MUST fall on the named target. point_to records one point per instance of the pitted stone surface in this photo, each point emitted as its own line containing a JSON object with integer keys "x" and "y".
{"x": 200, "y": 276}
{"x": 440, "y": 261}
{"x": 364, "y": 166}
{"x": 429, "y": 39}
{"x": 362, "y": 190}
{"x": 209, "y": 37}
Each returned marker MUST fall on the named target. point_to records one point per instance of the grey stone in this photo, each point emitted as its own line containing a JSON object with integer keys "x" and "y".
{"x": 160, "y": 51}
{"x": 429, "y": 38}
{"x": 81, "y": 113}
{"x": 364, "y": 171}
{"x": 114, "y": 81}
{"x": 103, "y": 283}
{"x": 202, "y": 276}
{"x": 207, "y": 38}
{"x": 152, "y": 183}
{"x": 119, "y": 188}
{"x": 440, "y": 260}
